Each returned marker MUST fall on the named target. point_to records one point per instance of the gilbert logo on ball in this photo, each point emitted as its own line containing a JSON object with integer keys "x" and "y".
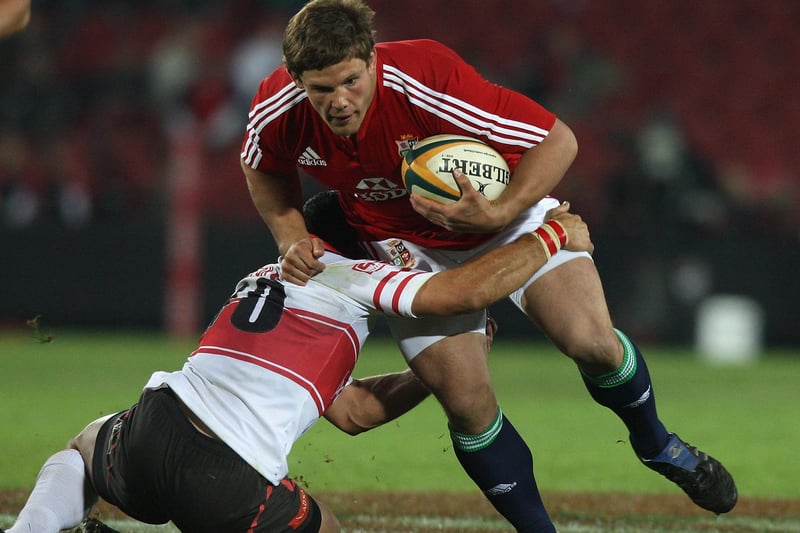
{"x": 427, "y": 168}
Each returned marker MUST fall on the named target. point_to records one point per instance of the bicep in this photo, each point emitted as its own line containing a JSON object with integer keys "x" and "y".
{"x": 375, "y": 285}
{"x": 452, "y": 292}
{"x": 551, "y": 157}
{"x": 277, "y": 183}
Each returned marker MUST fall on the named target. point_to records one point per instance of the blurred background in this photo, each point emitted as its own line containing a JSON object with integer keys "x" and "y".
{"x": 122, "y": 204}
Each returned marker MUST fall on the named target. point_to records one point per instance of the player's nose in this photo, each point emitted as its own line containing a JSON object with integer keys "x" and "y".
{"x": 339, "y": 100}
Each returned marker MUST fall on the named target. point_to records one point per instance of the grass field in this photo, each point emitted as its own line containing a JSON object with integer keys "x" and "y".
{"x": 744, "y": 415}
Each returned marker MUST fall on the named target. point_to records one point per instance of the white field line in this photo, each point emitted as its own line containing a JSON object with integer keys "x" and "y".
{"x": 409, "y": 524}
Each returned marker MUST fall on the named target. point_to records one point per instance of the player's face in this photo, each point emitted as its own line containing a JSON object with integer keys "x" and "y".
{"x": 341, "y": 93}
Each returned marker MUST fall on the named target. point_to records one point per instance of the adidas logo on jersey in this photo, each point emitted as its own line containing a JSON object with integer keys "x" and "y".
{"x": 310, "y": 158}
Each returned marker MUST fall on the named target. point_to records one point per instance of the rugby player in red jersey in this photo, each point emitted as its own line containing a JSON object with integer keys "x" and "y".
{"x": 344, "y": 109}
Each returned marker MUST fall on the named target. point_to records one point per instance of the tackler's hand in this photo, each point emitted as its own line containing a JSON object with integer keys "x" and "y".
{"x": 301, "y": 261}
{"x": 491, "y": 331}
{"x": 578, "y": 237}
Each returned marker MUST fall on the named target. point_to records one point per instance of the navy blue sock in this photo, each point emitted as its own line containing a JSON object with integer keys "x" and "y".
{"x": 500, "y": 463}
{"x": 629, "y": 393}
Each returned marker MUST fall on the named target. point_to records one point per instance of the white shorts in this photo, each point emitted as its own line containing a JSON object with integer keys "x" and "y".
{"x": 414, "y": 335}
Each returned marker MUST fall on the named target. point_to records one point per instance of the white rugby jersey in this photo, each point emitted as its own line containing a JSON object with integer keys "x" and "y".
{"x": 277, "y": 354}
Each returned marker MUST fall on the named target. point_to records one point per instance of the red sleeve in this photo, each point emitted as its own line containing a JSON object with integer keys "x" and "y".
{"x": 264, "y": 146}
{"x": 459, "y": 100}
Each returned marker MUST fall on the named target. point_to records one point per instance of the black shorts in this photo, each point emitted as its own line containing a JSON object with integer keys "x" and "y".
{"x": 153, "y": 464}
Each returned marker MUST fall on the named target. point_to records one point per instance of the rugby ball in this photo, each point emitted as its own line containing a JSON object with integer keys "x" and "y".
{"x": 427, "y": 167}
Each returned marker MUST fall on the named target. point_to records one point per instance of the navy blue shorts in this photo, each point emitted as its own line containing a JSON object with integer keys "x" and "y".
{"x": 153, "y": 464}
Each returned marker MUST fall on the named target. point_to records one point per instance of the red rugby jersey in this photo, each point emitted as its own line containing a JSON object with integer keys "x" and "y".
{"x": 423, "y": 89}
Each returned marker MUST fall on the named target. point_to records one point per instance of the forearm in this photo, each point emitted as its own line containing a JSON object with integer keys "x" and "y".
{"x": 278, "y": 201}
{"x": 482, "y": 281}
{"x": 538, "y": 172}
{"x": 496, "y": 274}
{"x": 370, "y": 402}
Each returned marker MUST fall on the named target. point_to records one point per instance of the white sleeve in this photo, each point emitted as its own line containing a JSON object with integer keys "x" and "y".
{"x": 386, "y": 288}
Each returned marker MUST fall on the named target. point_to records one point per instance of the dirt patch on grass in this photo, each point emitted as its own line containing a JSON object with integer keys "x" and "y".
{"x": 606, "y": 504}
{"x": 605, "y": 512}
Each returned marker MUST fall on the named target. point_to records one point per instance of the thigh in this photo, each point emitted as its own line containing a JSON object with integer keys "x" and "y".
{"x": 415, "y": 335}
{"x": 129, "y": 452}
{"x": 287, "y": 508}
{"x": 214, "y": 494}
{"x": 156, "y": 467}
{"x": 86, "y": 441}
{"x": 456, "y": 371}
{"x": 569, "y": 305}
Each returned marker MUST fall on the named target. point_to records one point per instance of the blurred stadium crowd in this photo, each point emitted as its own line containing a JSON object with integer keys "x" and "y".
{"x": 686, "y": 113}
{"x": 90, "y": 90}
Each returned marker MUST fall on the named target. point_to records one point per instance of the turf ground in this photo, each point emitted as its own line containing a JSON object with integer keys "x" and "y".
{"x": 404, "y": 478}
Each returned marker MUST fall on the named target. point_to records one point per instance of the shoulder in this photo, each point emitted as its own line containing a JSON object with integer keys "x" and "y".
{"x": 276, "y": 94}
{"x": 423, "y": 63}
{"x": 375, "y": 285}
{"x": 277, "y": 79}
{"x": 414, "y": 46}
{"x": 416, "y": 52}
{"x": 278, "y": 119}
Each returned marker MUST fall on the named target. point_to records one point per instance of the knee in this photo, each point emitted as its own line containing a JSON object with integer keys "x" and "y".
{"x": 81, "y": 441}
{"x": 456, "y": 371}
{"x": 469, "y": 410}
{"x": 469, "y": 401}
{"x": 597, "y": 349}
{"x": 85, "y": 441}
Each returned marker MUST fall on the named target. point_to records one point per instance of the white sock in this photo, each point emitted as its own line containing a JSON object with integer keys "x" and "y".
{"x": 57, "y": 501}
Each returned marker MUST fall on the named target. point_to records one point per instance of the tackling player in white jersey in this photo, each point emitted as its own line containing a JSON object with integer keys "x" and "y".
{"x": 206, "y": 446}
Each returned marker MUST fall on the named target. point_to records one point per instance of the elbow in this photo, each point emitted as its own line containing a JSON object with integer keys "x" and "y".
{"x": 15, "y": 23}
{"x": 355, "y": 430}
{"x": 570, "y": 144}
{"x": 563, "y": 141}
{"x": 353, "y": 426}
{"x": 349, "y": 412}
{"x": 573, "y": 149}
{"x": 352, "y": 431}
